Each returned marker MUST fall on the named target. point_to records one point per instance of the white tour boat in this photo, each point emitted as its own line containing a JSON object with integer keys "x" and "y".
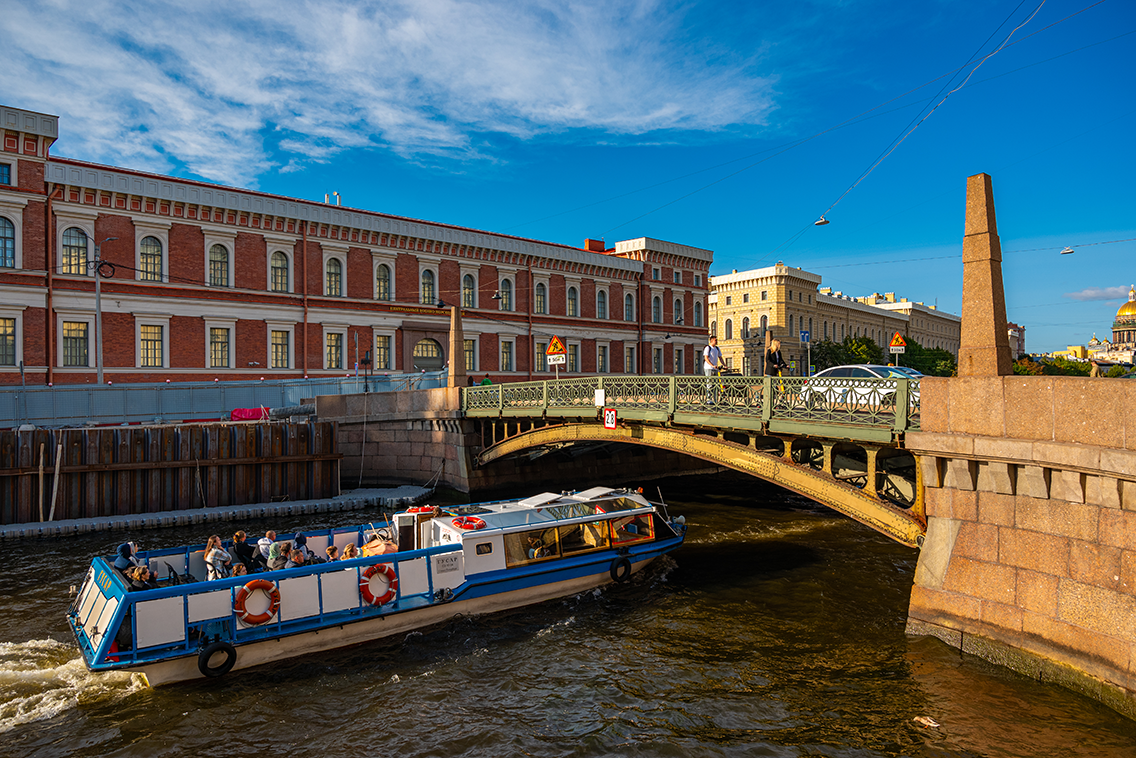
{"x": 427, "y": 566}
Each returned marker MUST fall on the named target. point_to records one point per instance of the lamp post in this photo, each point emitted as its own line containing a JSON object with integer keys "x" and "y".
{"x": 365, "y": 362}
{"x": 96, "y": 265}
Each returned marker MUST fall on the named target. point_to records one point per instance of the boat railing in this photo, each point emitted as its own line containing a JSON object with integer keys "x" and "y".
{"x": 182, "y": 618}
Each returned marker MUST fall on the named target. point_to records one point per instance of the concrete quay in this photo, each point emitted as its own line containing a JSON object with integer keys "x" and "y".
{"x": 392, "y": 497}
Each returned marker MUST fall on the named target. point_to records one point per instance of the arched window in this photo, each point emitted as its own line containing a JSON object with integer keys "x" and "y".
{"x": 825, "y": 330}
{"x": 698, "y": 314}
{"x": 7, "y": 243}
{"x": 790, "y": 326}
{"x": 334, "y": 285}
{"x": 628, "y": 308}
{"x": 842, "y": 331}
{"x": 150, "y": 268}
{"x": 713, "y": 328}
{"x": 745, "y": 328}
{"x": 729, "y": 329}
{"x": 601, "y": 304}
{"x": 541, "y": 305}
{"x": 383, "y": 282}
{"x": 74, "y": 251}
{"x": 467, "y": 291}
{"x": 657, "y": 310}
{"x": 764, "y": 325}
{"x": 678, "y": 312}
{"x": 573, "y": 302}
{"x": 279, "y": 272}
{"x": 218, "y": 266}
{"x": 428, "y": 355}
{"x": 506, "y": 295}
{"x": 427, "y": 287}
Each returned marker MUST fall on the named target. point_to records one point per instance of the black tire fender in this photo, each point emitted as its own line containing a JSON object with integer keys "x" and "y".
{"x": 621, "y": 569}
{"x": 207, "y": 654}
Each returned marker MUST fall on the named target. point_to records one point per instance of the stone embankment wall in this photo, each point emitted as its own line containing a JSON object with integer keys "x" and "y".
{"x": 1030, "y": 553}
{"x": 419, "y": 437}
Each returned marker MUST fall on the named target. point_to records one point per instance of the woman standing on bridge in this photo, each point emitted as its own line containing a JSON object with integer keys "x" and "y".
{"x": 774, "y": 363}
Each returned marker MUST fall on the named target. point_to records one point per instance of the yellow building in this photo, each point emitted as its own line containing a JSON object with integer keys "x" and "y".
{"x": 790, "y": 300}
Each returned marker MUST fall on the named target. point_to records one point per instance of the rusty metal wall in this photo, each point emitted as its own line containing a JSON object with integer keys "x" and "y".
{"x": 135, "y": 469}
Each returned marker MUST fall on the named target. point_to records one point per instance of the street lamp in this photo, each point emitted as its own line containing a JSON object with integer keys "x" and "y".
{"x": 365, "y": 362}
{"x": 96, "y": 265}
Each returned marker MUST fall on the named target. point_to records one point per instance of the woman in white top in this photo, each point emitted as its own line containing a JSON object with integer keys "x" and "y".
{"x": 217, "y": 559}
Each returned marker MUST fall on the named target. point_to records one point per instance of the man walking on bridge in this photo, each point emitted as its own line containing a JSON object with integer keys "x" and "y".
{"x": 711, "y": 363}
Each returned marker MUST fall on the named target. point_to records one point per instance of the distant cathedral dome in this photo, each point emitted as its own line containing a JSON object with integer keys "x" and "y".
{"x": 1124, "y": 328}
{"x": 1129, "y": 308}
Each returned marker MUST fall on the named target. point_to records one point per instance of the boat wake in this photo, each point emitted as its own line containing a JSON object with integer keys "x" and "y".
{"x": 40, "y": 679}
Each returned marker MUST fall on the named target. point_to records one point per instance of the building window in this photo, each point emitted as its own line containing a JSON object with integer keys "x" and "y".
{"x": 151, "y": 260}
{"x": 729, "y": 329}
{"x": 678, "y": 277}
{"x": 698, "y": 280}
{"x": 7, "y": 243}
{"x": 678, "y": 311}
{"x": 279, "y": 272}
{"x": 601, "y": 304}
{"x": 218, "y": 266}
{"x": 713, "y": 328}
{"x": 790, "y": 327}
{"x": 764, "y": 294}
{"x": 764, "y": 325}
{"x": 334, "y": 350}
{"x": 680, "y": 367}
{"x": 657, "y": 360}
{"x": 151, "y": 346}
{"x": 383, "y": 282}
{"x": 469, "y": 348}
{"x": 333, "y": 287}
{"x": 506, "y": 295}
{"x": 383, "y": 352}
{"x": 745, "y": 297}
{"x": 7, "y": 342}
{"x": 657, "y": 310}
{"x": 75, "y": 344}
{"x": 6, "y": 173}
{"x": 541, "y": 356}
{"x": 698, "y": 314}
{"x": 218, "y": 347}
{"x": 745, "y": 328}
{"x": 628, "y": 308}
{"x": 601, "y": 359}
{"x": 573, "y": 302}
{"x": 506, "y": 356}
{"x": 468, "y": 290}
{"x": 74, "y": 251}
{"x": 541, "y": 305}
{"x": 426, "y": 295}
{"x": 655, "y": 273}
{"x": 729, "y": 300}
{"x": 629, "y": 360}
{"x": 280, "y": 343}
{"x": 573, "y": 357}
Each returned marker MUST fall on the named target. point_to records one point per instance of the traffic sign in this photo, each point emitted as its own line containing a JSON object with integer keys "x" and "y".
{"x": 897, "y": 341}
{"x": 804, "y": 335}
{"x": 609, "y": 418}
{"x": 555, "y": 347}
{"x": 896, "y": 349}
{"x": 559, "y": 359}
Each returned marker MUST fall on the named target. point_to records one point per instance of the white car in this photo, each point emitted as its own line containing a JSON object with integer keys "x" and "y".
{"x": 855, "y": 385}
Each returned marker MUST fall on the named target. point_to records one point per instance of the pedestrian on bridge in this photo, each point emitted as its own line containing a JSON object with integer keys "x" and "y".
{"x": 774, "y": 363}
{"x": 711, "y": 366}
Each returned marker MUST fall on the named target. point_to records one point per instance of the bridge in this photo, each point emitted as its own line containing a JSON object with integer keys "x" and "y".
{"x": 839, "y": 444}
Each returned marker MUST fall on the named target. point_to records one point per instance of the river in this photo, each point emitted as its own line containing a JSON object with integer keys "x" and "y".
{"x": 776, "y": 630}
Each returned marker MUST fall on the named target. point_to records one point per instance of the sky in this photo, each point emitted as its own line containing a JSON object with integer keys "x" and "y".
{"x": 731, "y": 126}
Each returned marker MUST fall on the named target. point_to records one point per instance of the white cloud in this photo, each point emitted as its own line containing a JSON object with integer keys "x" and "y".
{"x": 1099, "y": 293}
{"x": 220, "y": 88}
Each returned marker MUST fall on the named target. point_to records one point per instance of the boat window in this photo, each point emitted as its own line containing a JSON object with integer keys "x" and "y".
{"x": 579, "y": 538}
{"x": 629, "y": 529}
{"x": 531, "y": 546}
{"x": 484, "y": 548}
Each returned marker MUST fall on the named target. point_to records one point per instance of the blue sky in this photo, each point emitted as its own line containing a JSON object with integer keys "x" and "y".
{"x": 560, "y": 121}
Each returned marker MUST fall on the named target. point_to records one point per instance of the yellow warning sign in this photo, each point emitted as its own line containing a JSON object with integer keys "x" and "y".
{"x": 555, "y": 347}
{"x": 897, "y": 341}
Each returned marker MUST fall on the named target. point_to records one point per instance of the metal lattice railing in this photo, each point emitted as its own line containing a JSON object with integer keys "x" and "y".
{"x": 876, "y": 407}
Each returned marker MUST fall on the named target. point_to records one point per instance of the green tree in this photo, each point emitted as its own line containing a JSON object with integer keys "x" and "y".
{"x": 827, "y": 354}
{"x": 863, "y": 350}
{"x": 931, "y": 361}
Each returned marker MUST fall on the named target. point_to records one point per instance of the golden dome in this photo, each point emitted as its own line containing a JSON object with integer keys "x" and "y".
{"x": 1129, "y": 308}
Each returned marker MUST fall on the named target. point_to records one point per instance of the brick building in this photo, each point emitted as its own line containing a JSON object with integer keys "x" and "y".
{"x": 202, "y": 281}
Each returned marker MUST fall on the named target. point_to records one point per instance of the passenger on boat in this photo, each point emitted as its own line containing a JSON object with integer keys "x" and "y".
{"x": 217, "y": 559}
{"x": 264, "y": 544}
{"x": 126, "y": 557}
{"x": 351, "y": 550}
{"x": 246, "y": 553}
{"x": 141, "y": 578}
{"x": 240, "y": 570}
{"x": 296, "y": 558}
{"x": 278, "y": 555}
{"x": 332, "y": 553}
{"x": 302, "y": 546}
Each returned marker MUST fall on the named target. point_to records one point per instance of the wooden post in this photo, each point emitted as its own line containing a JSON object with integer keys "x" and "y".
{"x": 55, "y": 485}
{"x": 41, "y": 481}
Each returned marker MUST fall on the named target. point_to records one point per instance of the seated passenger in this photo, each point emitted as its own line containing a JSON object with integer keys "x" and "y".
{"x": 141, "y": 578}
{"x": 240, "y": 570}
{"x": 126, "y": 559}
{"x": 245, "y": 553}
{"x": 351, "y": 550}
{"x": 332, "y": 553}
{"x": 302, "y": 546}
{"x": 217, "y": 559}
{"x": 264, "y": 544}
{"x": 277, "y": 556}
{"x": 295, "y": 559}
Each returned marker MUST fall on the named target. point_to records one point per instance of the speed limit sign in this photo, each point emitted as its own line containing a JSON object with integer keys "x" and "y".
{"x": 609, "y": 418}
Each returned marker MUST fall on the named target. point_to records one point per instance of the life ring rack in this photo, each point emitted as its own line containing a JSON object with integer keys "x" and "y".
{"x": 468, "y": 522}
{"x": 243, "y": 594}
{"x": 387, "y": 570}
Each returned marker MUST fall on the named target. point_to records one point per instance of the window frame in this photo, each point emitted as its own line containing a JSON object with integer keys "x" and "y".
{"x": 63, "y": 247}
{"x": 160, "y": 232}
{"x": 468, "y": 294}
{"x": 340, "y": 281}
{"x": 425, "y": 272}
{"x": 147, "y": 258}
{"x": 289, "y": 328}
{"x": 15, "y": 313}
{"x": 629, "y": 307}
{"x": 572, "y": 302}
{"x": 507, "y": 291}
{"x": 339, "y": 331}
{"x": 210, "y": 249}
{"x": 540, "y": 298}
{"x": 151, "y": 320}
{"x": 376, "y": 336}
{"x": 220, "y": 323}
{"x": 601, "y": 303}
{"x": 656, "y": 310}
{"x": 289, "y": 286}
{"x": 511, "y": 344}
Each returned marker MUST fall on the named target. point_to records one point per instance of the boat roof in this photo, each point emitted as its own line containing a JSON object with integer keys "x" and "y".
{"x": 549, "y": 506}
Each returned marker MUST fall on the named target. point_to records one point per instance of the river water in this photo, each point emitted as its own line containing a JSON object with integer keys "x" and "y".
{"x": 776, "y": 630}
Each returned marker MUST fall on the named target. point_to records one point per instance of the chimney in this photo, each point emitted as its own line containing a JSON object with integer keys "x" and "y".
{"x": 594, "y": 246}
{"x": 889, "y": 296}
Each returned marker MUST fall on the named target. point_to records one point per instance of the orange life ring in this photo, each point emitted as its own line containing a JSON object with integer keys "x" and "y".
{"x": 243, "y": 594}
{"x": 468, "y": 522}
{"x": 420, "y": 509}
{"x": 387, "y": 570}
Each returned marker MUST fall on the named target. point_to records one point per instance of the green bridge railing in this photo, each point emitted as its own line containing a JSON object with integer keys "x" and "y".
{"x": 862, "y": 409}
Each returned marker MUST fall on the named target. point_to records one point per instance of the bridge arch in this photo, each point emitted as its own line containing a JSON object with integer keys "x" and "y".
{"x": 761, "y": 458}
